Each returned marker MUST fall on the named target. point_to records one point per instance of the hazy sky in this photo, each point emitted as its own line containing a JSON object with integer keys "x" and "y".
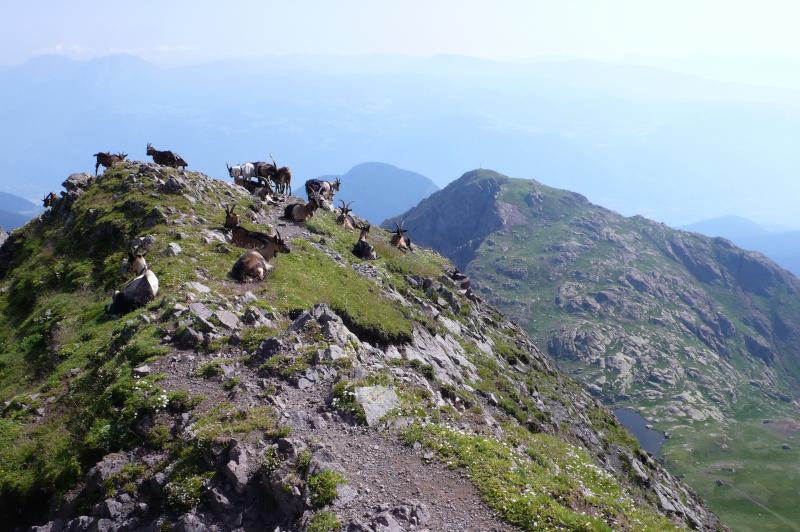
{"x": 748, "y": 40}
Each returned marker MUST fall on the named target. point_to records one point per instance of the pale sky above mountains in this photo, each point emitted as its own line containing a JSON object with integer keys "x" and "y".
{"x": 734, "y": 40}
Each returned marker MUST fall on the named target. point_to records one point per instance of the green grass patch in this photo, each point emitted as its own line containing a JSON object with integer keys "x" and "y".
{"x": 550, "y": 486}
{"x": 322, "y": 487}
{"x": 306, "y": 276}
{"x": 226, "y": 420}
{"x": 210, "y": 369}
{"x": 324, "y": 521}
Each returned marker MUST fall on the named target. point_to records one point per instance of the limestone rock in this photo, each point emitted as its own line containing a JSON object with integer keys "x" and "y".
{"x": 376, "y": 401}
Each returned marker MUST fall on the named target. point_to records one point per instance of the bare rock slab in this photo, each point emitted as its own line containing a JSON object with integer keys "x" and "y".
{"x": 376, "y": 401}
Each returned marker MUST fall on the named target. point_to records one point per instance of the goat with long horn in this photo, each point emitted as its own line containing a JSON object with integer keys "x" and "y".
{"x": 282, "y": 177}
{"x": 399, "y": 239}
{"x": 344, "y": 219}
{"x": 231, "y": 218}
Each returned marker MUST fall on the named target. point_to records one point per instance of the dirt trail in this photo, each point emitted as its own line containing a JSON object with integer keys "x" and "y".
{"x": 384, "y": 472}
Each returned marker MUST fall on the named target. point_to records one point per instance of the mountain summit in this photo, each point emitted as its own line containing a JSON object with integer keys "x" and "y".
{"x": 700, "y": 336}
{"x": 336, "y": 394}
{"x": 380, "y": 190}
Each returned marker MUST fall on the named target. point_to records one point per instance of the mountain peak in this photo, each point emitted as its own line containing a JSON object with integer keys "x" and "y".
{"x": 690, "y": 330}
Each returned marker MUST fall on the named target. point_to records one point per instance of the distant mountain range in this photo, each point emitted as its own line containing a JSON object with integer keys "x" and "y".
{"x": 700, "y": 336}
{"x": 15, "y": 211}
{"x": 380, "y": 190}
{"x": 782, "y": 246}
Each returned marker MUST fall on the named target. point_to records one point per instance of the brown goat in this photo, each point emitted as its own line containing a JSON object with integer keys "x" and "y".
{"x": 251, "y": 266}
{"x": 282, "y": 177}
{"x": 49, "y": 200}
{"x": 298, "y": 212}
{"x": 344, "y": 219}
{"x": 326, "y": 189}
{"x": 363, "y": 249}
{"x": 399, "y": 239}
{"x": 231, "y": 218}
{"x": 268, "y": 246}
{"x": 166, "y": 158}
{"x": 107, "y": 159}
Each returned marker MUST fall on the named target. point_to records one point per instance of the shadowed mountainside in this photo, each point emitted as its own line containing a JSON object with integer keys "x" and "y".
{"x": 699, "y": 335}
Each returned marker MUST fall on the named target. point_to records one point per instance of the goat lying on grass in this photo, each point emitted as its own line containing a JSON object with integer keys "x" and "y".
{"x": 344, "y": 219}
{"x": 136, "y": 262}
{"x": 107, "y": 159}
{"x": 299, "y": 212}
{"x": 267, "y": 245}
{"x": 363, "y": 249}
{"x": 251, "y": 267}
{"x": 231, "y": 218}
{"x": 140, "y": 291}
{"x": 399, "y": 240}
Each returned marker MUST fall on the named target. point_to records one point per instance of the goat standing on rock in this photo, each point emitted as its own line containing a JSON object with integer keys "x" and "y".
{"x": 326, "y": 189}
{"x": 243, "y": 174}
{"x": 49, "y": 200}
{"x": 166, "y": 158}
{"x": 282, "y": 177}
{"x": 363, "y": 249}
{"x": 107, "y": 159}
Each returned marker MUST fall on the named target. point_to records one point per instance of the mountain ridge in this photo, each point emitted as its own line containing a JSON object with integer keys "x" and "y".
{"x": 285, "y": 403}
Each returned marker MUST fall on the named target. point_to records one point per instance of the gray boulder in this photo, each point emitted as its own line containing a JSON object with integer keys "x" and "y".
{"x": 376, "y": 401}
{"x": 77, "y": 182}
{"x": 173, "y": 249}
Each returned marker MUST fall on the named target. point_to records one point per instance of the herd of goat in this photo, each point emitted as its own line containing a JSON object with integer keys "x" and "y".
{"x": 261, "y": 179}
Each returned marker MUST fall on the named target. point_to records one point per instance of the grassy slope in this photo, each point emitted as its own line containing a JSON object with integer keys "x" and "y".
{"x": 763, "y": 470}
{"x": 60, "y": 351}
